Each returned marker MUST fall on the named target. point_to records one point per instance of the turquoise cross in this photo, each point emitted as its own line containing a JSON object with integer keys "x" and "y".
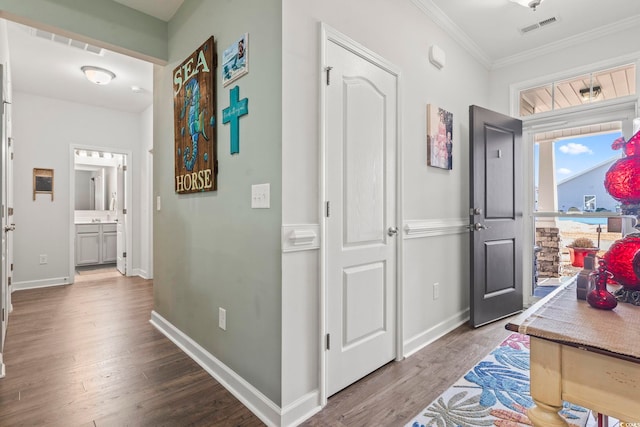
{"x": 231, "y": 114}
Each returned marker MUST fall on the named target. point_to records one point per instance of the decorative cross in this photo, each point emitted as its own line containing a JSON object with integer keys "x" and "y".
{"x": 237, "y": 107}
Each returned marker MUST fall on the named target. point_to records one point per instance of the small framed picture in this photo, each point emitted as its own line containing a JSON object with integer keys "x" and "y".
{"x": 235, "y": 60}
{"x": 439, "y": 137}
{"x": 42, "y": 182}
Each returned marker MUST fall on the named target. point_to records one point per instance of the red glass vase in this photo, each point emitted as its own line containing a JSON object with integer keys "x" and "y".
{"x": 620, "y": 259}
{"x": 622, "y": 180}
{"x": 600, "y": 297}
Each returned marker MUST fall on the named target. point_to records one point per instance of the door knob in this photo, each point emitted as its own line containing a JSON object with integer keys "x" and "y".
{"x": 11, "y": 227}
{"x": 392, "y": 231}
{"x": 477, "y": 226}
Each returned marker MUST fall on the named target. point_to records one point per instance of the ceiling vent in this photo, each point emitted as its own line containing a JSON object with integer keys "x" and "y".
{"x": 67, "y": 41}
{"x": 540, "y": 24}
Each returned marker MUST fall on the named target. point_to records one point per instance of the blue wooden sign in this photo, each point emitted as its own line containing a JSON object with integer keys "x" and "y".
{"x": 231, "y": 114}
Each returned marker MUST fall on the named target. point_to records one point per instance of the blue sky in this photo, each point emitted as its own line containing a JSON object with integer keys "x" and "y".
{"x": 577, "y": 154}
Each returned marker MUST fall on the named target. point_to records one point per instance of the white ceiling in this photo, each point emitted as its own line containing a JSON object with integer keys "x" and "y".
{"x": 488, "y": 29}
{"x": 491, "y": 28}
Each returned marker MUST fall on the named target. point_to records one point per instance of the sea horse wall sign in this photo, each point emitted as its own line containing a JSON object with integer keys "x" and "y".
{"x": 194, "y": 110}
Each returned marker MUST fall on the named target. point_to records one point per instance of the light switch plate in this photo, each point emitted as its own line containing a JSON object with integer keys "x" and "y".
{"x": 261, "y": 196}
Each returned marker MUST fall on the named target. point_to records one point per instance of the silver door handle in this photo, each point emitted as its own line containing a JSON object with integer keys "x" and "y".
{"x": 11, "y": 227}
{"x": 477, "y": 226}
{"x": 392, "y": 231}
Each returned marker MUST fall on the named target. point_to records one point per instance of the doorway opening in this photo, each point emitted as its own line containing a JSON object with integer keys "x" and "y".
{"x": 570, "y": 200}
{"x": 100, "y": 196}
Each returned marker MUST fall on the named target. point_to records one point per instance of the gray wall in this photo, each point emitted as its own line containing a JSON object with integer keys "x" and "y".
{"x": 211, "y": 249}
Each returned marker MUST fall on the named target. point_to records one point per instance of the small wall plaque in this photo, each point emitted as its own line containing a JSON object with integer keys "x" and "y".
{"x": 42, "y": 182}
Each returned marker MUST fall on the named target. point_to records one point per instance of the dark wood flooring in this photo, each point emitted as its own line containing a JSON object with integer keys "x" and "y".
{"x": 86, "y": 355}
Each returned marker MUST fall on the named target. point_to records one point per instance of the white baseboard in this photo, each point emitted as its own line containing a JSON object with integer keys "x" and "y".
{"x": 140, "y": 272}
{"x": 252, "y": 398}
{"x": 44, "y": 283}
{"x": 425, "y": 338}
{"x": 302, "y": 409}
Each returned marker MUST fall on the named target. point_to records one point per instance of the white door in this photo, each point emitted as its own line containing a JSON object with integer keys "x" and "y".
{"x": 361, "y": 143}
{"x": 121, "y": 209}
{"x": 6, "y": 224}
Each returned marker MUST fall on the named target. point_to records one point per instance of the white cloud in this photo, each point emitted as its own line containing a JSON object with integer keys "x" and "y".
{"x": 573, "y": 148}
{"x": 564, "y": 171}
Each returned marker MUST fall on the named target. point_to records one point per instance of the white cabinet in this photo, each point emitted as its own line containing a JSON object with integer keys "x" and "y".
{"x": 95, "y": 244}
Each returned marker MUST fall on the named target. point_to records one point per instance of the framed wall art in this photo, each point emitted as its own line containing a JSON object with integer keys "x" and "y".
{"x": 42, "y": 182}
{"x": 439, "y": 137}
{"x": 194, "y": 108}
{"x": 235, "y": 60}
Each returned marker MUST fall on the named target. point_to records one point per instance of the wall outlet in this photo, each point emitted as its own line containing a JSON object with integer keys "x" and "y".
{"x": 43, "y": 259}
{"x": 222, "y": 318}
{"x": 436, "y": 291}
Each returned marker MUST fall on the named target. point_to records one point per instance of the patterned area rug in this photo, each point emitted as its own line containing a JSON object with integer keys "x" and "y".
{"x": 495, "y": 392}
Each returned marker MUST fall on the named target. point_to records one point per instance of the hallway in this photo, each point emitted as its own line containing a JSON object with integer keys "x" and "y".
{"x": 86, "y": 355}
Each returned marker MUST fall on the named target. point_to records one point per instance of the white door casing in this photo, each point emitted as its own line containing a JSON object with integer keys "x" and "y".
{"x": 121, "y": 212}
{"x": 360, "y": 227}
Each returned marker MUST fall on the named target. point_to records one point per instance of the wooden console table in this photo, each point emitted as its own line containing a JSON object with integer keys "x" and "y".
{"x": 581, "y": 355}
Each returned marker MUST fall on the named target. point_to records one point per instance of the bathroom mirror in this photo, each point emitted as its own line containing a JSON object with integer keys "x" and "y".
{"x": 96, "y": 180}
{"x": 95, "y": 189}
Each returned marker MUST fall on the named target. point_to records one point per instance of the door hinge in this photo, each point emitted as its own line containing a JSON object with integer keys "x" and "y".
{"x": 124, "y": 254}
{"x": 124, "y": 211}
{"x": 10, "y": 211}
{"x": 328, "y": 70}
{"x": 328, "y": 211}
{"x": 10, "y": 141}
{"x": 11, "y": 266}
{"x": 124, "y": 168}
{"x": 11, "y": 156}
{"x": 3, "y": 315}
{"x": 328, "y": 341}
{"x": 8, "y": 281}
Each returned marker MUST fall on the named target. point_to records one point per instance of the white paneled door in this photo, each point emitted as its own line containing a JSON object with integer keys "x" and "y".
{"x": 361, "y": 232}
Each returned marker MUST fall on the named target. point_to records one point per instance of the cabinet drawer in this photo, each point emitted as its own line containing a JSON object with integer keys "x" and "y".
{"x": 108, "y": 227}
{"x": 88, "y": 228}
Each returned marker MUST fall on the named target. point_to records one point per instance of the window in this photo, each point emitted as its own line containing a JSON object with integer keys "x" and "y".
{"x": 589, "y": 203}
{"x": 579, "y": 90}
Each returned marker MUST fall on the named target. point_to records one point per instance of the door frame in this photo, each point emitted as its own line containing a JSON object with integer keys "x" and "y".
{"x": 330, "y": 35}
{"x": 623, "y": 110}
{"x": 128, "y": 202}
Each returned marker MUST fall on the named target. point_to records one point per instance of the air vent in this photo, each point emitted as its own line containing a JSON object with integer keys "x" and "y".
{"x": 538, "y": 25}
{"x": 548, "y": 21}
{"x": 67, "y": 41}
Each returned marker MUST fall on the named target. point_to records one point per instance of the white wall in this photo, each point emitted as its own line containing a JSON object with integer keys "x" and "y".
{"x": 144, "y": 246}
{"x": 398, "y": 31}
{"x": 44, "y": 129}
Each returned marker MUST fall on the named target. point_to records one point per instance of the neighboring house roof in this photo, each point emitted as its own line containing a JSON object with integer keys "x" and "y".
{"x": 592, "y": 168}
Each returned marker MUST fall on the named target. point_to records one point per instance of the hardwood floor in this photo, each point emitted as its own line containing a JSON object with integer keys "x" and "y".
{"x": 86, "y": 355}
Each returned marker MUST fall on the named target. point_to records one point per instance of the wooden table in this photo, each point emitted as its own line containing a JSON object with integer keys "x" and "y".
{"x": 581, "y": 355}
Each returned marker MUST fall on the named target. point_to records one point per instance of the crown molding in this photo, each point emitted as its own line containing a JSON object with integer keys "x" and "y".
{"x": 443, "y": 21}
{"x": 596, "y": 33}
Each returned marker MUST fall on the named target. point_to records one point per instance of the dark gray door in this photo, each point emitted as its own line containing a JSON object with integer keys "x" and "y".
{"x": 496, "y": 180}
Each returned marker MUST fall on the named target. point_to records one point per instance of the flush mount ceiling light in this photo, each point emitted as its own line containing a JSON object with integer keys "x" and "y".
{"x": 532, "y": 4}
{"x": 97, "y": 75}
{"x": 585, "y": 93}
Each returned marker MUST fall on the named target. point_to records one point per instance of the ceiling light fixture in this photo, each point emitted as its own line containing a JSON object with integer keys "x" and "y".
{"x": 97, "y": 75}
{"x": 532, "y": 4}
{"x": 585, "y": 93}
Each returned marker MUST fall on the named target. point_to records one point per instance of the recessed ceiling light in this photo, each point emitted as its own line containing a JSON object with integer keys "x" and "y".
{"x": 97, "y": 75}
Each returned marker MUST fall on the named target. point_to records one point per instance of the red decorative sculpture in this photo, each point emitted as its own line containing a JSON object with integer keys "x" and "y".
{"x": 600, "y": 297}
{"x": 619, "y": 259}
{"x": 622, "y": 180}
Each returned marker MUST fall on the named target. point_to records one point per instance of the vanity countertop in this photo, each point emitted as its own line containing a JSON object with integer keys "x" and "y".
{"x": 81, "y": 222}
